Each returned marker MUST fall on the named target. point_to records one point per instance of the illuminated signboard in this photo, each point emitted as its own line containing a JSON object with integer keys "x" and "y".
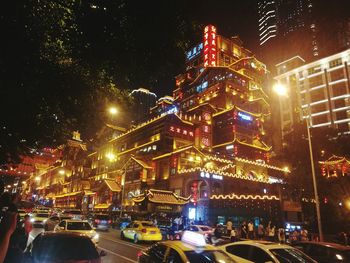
{"x": 245, "y": 116}
{"x": 209, "y": 175}
{"x": 179, "y": 130}
{"x": 209, "y": 43}
{"x": 194, "y": 52}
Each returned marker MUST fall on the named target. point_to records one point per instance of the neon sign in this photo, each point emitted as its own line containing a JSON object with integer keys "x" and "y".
{"x": 245, "y": 116}
{"x": 209, "y": 46}
{"x": 181, "y": 131}
{"x": 194, "y": 52}
{"x": 209, "y": 175}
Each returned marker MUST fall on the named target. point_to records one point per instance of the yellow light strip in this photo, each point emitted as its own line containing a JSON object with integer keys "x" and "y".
{"x": 140, "y": 146}
{"x": 262, "y": 164}
{"x": 244, "y": 197}
{"x": 200, "y": 169}
{"x": 235, "y": 107}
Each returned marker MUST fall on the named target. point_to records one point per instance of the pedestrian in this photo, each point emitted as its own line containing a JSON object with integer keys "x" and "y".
{"x": 244, "y": 230}
{"x": 304, "y": 235}
{"x": 272, "y": 234}
{"x": 250, "y": 230}
{"x": 281, "y": 235}
{"x": 229, "y": 226}
{"x": 233, "y": 235}
{"x": 260, "y": 231}
{"x": 7, "y": 227}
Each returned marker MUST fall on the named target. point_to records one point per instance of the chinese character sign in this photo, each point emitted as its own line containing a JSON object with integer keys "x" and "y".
{"x": 209, "y": 43}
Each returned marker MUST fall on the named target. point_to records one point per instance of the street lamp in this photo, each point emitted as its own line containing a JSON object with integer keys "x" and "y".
{"x": 282, "y": 91}
{"x": 61, "y": 172}
{"x": 113, "y": 110}
{"x": 37, "y": 178}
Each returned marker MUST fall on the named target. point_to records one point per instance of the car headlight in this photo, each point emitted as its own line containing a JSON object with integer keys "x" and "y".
{"x": 96, "y": 236}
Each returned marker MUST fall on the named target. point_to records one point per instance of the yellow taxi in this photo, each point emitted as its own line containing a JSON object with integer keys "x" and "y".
{"x": 141, "y": 231}
{"x": 191, "y": 248}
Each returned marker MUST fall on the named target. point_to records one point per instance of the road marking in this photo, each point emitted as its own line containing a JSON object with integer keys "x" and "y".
{"x": 124, "y": 243}
{"x": 118, "y": 255}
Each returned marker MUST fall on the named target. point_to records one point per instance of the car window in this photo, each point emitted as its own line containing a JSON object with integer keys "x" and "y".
{"x": 239, "y": 250}
{"x": 135, "y": 225}
{"x": 42, "y": 215}
{"x": 56, "y": 248}
{"x": 205, "y": 228}
{"x": 62, "y": 224}
{"x": 194, "y": 228}
{"x": 173, "y": 257}
{"x": 157, "y": 253}
{"x": 147, "y": 224}
{"x": 102, "y": 217}
{"x": 78, "y": 226}
{"x": 290, "y": 255}
{"x": 208, "y": 256}
{"x": 259, "y": 256}
{"x": 54, "y": 218}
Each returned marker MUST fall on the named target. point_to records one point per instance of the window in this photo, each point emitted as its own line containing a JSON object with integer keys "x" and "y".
{"x": 259, "y": 256}
{"x": 62, "y": 224}
{"x": 290, "y": 255}
{"x": 173, "y": 257}
{"x": 239, "y": 250}
{"x": 135, "y": 225}
{"x": 335, "y": 62}
{"x": 157, "y": 253}
{"x": 336, "y": 74}
{"x": 208, "y": 256}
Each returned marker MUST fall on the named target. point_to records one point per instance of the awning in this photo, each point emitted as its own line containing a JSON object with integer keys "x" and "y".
{"x": 68, "y": 194}
{"x": 112, "y": 185}
{"x": 161, "y": 197}
{"x": 102, "y": 206}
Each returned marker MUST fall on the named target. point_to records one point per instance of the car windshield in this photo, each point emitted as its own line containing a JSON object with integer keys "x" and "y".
{"x": 51, "y": 249}
{"x": 102, "y": 217}
{"x": 204, "y": 228}
{"x": 65, "y": 217}
{"x": 42, "y": 215}
{"x": 147, "y": 224}
{"x": 208, "y": 256}
{"x": 78, "y": 226}
{"x": 290, "y": 255}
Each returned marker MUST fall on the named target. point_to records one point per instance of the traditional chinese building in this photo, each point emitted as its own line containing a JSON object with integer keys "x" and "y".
{"x": 207, "y": 143}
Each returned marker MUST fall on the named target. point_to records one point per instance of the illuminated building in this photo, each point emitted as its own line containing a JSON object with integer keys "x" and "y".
{"x": 144, "y": 100}
{"x": 205, "y": 144}
{"x": 318, "y": 90}
{"x": 308, "y": 28}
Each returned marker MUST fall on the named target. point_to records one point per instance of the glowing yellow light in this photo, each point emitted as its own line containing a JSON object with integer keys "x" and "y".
{"x": 280, "y": 90}
{"x": 286, "y": 169}
{"x": 37, "y": 178}
{"x": 110, "y": 156}
{"x": 62, "y": 172}
{"x": 113, "y": 110}
{"x": 191, "y": 159}
{"x": 347, "y": 204}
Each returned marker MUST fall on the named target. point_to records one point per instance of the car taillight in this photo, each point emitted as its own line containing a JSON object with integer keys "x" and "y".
{"x": 139, "y": 254}
{"x": 97, "y": 221}
{"x": 109, "y": 221}
{"x": 144, "y": 230}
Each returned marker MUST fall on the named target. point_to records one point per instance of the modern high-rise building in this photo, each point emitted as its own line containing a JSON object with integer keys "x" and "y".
{"x": 306, "y": 28}
{"x": 144, "y": 100}
{"x": 319, "y": 90}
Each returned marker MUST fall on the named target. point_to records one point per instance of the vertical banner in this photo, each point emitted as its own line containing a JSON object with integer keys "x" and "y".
{"x": 209, "y": 43}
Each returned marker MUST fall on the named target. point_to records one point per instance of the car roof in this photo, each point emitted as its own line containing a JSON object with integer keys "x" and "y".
{"x": 258, "y": 243}
{"x": 326, "y": 244}
{"x": 63, "y": 234}
{"x": 73, "y": 220}
{"x": 200, "y": 226}
{"x": 184, "y": 246}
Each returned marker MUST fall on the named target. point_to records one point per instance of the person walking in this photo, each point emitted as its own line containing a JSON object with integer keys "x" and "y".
{"x": 233, "y": 235}
{"x": 250, "y": 230}
{"x": 244, "y": 230}
{"x": 260, "y": 231}
{"x": 229, "y": 227}
{"x": 272, "y": 234}
{"x": 281, "y": 235}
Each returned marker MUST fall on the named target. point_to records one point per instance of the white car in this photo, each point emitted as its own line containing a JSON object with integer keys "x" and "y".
{"x": 263, "y": 251}
{"x": 201, "y": 229}
{"x": 39, "y": 217}
{"x": 80, "y": 226}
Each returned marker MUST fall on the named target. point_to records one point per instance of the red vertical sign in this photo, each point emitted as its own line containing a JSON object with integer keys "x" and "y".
{"x": 209, "y": 46}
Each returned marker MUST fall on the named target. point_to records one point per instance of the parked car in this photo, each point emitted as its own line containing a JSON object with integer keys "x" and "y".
{"x": 263, "y": 251}
{"x": 324, "y": 252}
{"x": 141, "y": 231}
{"x": 63, "y": 247}
{"x": 74, "y": 213}
{"x": 39, "y": 217}
{"x": 101, "y": 221}
{"x": 79, "y": 226}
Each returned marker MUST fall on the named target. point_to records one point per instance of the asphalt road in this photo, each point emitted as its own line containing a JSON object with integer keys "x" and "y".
{"x": 118, "y": 250}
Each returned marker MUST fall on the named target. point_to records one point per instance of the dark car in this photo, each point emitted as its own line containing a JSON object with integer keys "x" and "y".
{"x": 324, "y": 252}
{"x": 62, "y": 247}
{"x": 101, "y": 221}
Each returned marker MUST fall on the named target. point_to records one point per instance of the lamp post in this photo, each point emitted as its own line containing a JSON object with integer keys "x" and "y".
{"x": 281, "y": 90}
{"x": 123, "y": 191}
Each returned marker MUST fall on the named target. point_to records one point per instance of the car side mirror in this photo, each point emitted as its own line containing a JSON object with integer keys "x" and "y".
{"x": 103, "y": 253}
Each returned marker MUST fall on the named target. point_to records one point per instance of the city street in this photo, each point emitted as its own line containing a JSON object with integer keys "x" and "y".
{"x": 118, "y": 250}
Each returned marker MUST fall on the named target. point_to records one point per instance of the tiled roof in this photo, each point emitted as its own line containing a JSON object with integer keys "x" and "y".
{"x": 112, "y": 185}
{"x": 162, "y": 197}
